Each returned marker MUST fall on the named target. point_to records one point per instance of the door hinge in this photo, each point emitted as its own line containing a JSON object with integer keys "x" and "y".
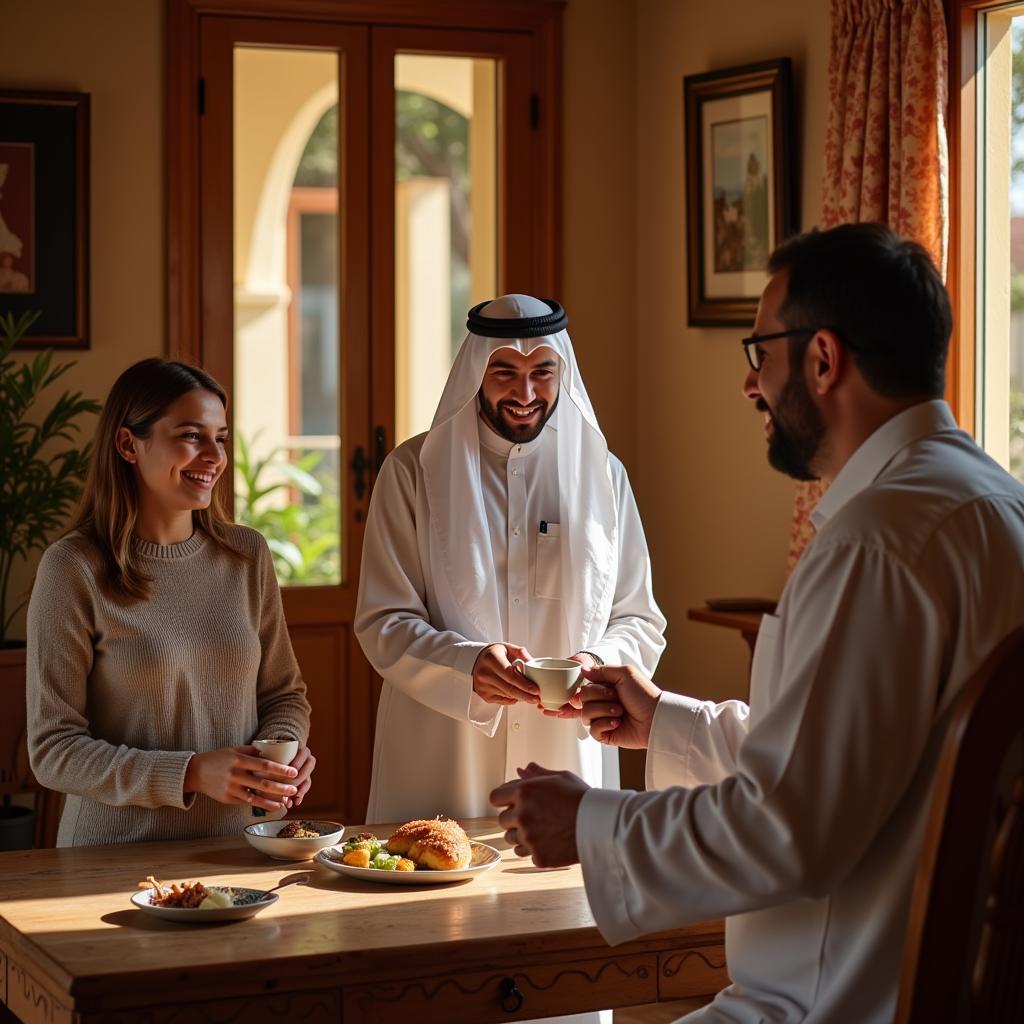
{"x": 534, "y": 110}
{"x": 201, "y": 96}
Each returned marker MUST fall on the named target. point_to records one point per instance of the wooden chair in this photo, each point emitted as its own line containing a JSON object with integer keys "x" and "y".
{"x": 15, "y": 774}
{"x": 964, "y": 956}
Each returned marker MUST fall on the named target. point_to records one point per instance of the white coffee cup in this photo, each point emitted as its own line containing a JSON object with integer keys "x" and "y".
{"x": 557, "y": 679}
{"x": 283, "y": 752}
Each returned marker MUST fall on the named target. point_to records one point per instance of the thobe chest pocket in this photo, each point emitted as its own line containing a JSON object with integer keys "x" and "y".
{"x": 547, "y": 570}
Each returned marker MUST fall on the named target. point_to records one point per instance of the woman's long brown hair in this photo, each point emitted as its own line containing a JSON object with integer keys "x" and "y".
{"x": 109, "y": 507}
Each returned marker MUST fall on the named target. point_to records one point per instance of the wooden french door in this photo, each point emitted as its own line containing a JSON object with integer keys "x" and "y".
{"x": 238, "y": 307}
{"x": 243, "y": 287}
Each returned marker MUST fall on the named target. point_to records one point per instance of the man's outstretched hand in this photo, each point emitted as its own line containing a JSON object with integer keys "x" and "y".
{"x": 539, "y": 815}
{"x": 618, "y": 705}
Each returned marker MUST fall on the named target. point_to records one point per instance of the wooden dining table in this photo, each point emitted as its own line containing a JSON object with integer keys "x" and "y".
{"x": 511, "y": 943}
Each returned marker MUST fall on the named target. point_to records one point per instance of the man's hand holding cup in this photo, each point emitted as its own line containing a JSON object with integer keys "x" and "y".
{"x": 495, "y": 681}
{"x": 618, "y": 705}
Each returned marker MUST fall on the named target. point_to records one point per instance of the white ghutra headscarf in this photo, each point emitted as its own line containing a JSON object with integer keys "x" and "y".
{"x": 450, "y": 457}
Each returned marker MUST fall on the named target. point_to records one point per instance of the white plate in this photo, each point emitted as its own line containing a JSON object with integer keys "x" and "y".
{"x": 247, "y": 903}
{"x": 484, "y": 858}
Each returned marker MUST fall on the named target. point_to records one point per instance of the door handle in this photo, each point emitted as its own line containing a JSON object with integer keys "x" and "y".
{"x": 359, "y": 466}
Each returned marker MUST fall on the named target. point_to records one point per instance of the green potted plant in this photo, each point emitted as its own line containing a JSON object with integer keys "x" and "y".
{"x": 41, "y": 472}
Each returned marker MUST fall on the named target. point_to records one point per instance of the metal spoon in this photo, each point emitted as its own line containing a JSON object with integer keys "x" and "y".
{"x": 293, "y": 880}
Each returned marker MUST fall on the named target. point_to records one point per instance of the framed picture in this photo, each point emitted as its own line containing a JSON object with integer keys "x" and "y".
{"x": 44, "y": 214}
{"x": 739, "y": 187}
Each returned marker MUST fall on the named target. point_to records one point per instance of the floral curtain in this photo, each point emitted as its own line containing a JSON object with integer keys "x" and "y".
{"x": 885, "y": 142}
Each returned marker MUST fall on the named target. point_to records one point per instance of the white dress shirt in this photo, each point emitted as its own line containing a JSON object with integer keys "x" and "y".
{"x": 801, "y": 817}
{"x": 439, "y": 748}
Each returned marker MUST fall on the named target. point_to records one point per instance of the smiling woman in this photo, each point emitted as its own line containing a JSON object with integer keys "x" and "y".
{"x": 177, "y": 464}
{"x": 157, "y": 647}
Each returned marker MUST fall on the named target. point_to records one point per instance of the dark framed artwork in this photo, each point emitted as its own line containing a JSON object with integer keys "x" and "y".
{"x": 44, "y": 214}
{"x": 739, "y": 186}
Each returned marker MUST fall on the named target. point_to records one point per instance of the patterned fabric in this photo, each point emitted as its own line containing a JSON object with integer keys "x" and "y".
{"x": 885, "y": 142}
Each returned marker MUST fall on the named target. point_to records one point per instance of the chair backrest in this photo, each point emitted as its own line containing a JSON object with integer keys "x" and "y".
{"x": 964, "y": 852}
{"x": 15, "y": 773}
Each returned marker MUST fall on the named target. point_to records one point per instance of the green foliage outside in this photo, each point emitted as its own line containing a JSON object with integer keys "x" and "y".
{"x": 318, "y": 165}
{"x": 304, "y": 536}
{"x": 39, "y": 484}
{"x": 1017, "y": 430}
{"x": 1017, "y": 100}
{"x": 432, "y": 141}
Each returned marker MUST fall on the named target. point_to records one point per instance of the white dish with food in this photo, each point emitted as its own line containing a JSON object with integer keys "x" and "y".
{"x": 264, "y": 836}
{"x": 483, "y": 858}
{"x": 237, "y": 902}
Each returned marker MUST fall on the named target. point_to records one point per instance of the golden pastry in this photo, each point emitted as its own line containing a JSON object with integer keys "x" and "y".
{"x": 440, "y": 844}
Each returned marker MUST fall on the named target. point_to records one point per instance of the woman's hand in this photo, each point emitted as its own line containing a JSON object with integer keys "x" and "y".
{"x": 304, "y": 763}
{"x": 236, "y": 775}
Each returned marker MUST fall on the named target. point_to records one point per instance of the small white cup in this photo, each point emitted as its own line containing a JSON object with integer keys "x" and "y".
{"x": 283, "y": 752}
{"x": 557, "y": 679}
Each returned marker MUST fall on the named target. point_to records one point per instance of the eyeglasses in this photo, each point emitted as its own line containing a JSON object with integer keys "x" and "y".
{"x": 756, "y": 339}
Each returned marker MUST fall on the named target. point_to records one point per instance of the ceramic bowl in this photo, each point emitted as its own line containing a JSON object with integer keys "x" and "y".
{"x": 263, "y": 836}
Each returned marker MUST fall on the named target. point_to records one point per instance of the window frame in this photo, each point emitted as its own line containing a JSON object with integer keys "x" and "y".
{"x": 962, "y": 374}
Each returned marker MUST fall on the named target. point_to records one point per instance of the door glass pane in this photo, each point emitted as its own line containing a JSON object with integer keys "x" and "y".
{"x": 287, "y": 326}
{"x": 446, "y": 225}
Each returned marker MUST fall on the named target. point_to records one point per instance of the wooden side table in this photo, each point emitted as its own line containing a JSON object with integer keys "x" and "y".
{"x": 746, "y": 623}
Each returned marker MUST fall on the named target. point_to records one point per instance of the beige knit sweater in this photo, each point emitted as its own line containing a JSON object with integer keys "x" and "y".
{"x": 121, "y": 696}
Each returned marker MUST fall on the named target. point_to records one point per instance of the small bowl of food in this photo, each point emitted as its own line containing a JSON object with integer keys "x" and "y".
{"x": 293, "y": 839}
{"x": 196, "y": 903}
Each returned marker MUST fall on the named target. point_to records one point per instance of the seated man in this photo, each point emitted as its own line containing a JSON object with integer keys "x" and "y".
{"x": 800, "y": 817}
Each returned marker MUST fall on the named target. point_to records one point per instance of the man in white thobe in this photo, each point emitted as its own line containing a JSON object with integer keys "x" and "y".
{"x": 800, "y": 817}
{"x": 507, "y": 530}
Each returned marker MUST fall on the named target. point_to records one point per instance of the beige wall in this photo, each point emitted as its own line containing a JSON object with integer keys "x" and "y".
{"x": 667, "y": 395}
{"x": 599, "y": 191}
{"x": 716, "y": 514}
{"x": 113, "y": 50}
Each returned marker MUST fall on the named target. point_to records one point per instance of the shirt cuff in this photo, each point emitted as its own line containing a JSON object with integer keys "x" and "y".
{"x": 169, "y": 780}
{"x": 596, "y": 824}
{"x": 668, "y": 747}
{"x": 465, "y": 656}
{"x": 485, "y": 717}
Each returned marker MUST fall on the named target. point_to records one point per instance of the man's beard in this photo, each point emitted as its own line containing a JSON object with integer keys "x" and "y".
{"x": 516, "y": 433}
{"x": 797, "y": 430}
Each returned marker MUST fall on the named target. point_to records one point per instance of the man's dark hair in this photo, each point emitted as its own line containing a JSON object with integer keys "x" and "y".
{"x": 883, "y": 297}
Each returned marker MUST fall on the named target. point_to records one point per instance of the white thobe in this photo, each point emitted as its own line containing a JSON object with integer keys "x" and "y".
{"x": 802, "y": 819}
{"x": 440, "y": 749}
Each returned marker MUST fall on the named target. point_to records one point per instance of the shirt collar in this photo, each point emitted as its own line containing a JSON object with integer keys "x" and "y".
{"x": 494, "y": 442}
{"x": 871, "y": 458}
